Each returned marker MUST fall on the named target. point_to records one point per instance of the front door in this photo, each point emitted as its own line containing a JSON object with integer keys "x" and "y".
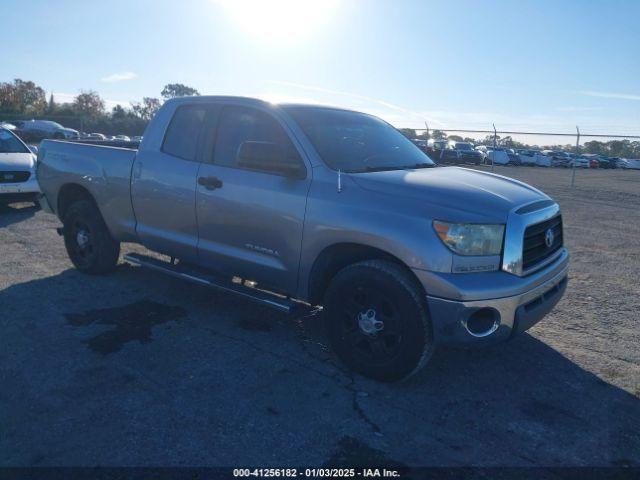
{"x": 250, "y": 221}
{"x": 163, "y": 187}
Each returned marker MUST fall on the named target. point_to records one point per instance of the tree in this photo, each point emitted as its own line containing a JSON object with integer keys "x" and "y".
{"x": 438, "y": 135}
{"x": 147, "y": 109}
{"x": 408, "y": 132}
{"x": 118, "y": 112}
{"x": 88, "y": 104}
{"x": 51, "y": 106}
{"x": 22, "y": 97}
{"x": 173, "y": 90}
{"x": 455, "y": 138}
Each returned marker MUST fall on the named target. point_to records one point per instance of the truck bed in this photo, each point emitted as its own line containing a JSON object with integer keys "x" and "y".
{"x": 104, "y": 171}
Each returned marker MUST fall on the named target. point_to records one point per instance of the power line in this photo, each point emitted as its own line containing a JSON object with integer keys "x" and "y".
{"x": 595, "y": 135}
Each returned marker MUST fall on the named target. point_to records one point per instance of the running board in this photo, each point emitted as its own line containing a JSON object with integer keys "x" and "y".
{"x": 210, "y": 280}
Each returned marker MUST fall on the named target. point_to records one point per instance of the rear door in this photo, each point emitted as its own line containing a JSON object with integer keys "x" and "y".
{"x": 163, "y": 186}
{"x": 250, "y": 222}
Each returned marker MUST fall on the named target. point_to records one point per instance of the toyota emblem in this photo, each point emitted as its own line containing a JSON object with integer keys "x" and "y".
{"x": 549, "y": 237}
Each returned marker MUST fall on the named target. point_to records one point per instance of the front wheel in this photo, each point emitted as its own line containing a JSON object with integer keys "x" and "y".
{"x": 89, "y": 244}
{"x": 377, "y": 320}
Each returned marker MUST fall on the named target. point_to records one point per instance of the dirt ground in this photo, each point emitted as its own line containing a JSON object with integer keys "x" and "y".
{"x": 140, "y": 369}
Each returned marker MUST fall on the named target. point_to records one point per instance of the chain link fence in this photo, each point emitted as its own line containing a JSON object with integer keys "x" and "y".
{"x": 611, "y": 151}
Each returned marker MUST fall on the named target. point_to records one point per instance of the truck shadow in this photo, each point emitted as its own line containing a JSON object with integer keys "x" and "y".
{"x": 17, "y": 212}
{"x": 520, "y": 403}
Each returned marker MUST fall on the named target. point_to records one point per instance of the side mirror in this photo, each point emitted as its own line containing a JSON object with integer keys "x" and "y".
{"x": 33, "y": 149}
{"x": 269, "y": 157}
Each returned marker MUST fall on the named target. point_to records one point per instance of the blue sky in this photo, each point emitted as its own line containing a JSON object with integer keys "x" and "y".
{"x": 540, "y": 65}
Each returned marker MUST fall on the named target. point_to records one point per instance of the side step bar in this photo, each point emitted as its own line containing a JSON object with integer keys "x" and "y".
{"x": 210, "y": 280}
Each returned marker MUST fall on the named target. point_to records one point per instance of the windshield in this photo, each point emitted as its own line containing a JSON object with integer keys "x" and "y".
{"x": 10, "y": 144}
{"x": 356, "y": 142}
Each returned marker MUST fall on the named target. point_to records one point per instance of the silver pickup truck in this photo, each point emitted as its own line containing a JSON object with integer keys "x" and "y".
{"x": 293, "y": 205}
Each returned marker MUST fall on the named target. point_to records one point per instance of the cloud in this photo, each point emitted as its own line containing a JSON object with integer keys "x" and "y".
{"x": 621, "y": 96}
{"x": 119, "y": 77}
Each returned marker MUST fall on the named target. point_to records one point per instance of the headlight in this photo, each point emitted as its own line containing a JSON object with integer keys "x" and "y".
{"x": 470, "y": 238}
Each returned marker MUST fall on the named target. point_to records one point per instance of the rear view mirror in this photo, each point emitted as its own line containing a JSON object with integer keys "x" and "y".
{"x": 268, "y": 157}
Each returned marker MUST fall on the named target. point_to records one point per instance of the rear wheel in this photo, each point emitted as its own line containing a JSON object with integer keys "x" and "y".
{"x": 89, "y": 244}
{"x": 377, "y": 320}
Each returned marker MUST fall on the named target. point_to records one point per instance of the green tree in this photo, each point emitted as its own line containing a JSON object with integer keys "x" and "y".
{"x": 438, "y": 135}
{"x": 88, "y": 104}
{"x": 147, "y": 108}
{"x": 22, "y": 97}
{"x": 173, "y": 90}
{"x": 408, "y": 132}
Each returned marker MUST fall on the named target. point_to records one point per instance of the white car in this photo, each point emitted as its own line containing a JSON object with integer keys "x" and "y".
{"x": 17, "y": 169}
{"x": 579, "y": 162}
{"x": 8, "y": 126}
{"x": 498, "y": 156}
{"x": 96, "y": 136}
{"x": 122, "y": 138}
{"x": 533, "y": 158}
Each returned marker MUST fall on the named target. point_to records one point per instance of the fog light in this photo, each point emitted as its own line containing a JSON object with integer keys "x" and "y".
{"x": 483, "y": 322}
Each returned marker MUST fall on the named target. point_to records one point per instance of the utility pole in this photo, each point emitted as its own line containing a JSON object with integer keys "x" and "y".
{"x": 573, "y": 165}
{"x": 495, "y": 142}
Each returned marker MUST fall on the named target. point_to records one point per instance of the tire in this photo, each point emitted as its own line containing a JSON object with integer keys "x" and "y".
{"x": 404, "y": 340}
{"x": 89, "y": 244}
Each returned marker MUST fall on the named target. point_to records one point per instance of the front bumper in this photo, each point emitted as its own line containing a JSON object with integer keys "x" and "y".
{"x": 16, "y": 189}
{"x": 510, "y": 315}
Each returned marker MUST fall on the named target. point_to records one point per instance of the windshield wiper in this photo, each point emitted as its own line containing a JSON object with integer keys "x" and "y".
{"x": 388, "y": 168}
{"x": 419, "y": 165}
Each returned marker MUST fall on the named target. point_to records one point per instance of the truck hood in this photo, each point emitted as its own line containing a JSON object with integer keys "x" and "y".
{"x": 16, "y": 161}
{"x": 453, "y": 193}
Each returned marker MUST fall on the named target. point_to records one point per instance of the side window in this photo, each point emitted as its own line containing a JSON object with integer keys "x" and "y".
{"x": 181, "y": 139}
{"x": 239, "y": 125}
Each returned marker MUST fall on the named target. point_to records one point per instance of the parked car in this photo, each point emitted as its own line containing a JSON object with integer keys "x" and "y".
{"x": 579, "y": 162}
{"x": 497, "y": 156}
{"x": 533, "y": 158}
{"x": 631, "y": 164}
{"x": 7, "y": 126}
{"x": 558, "y": 158}
{"x": 35, "y": 130}
{"x": 442, "y": 151}
{"x": 466, "y": 153}
{"x": 136, "y": 138}
{"x": 403, "y": 257}
{"x": 17, "y": 169}
{"x": 122, "y": 138}
{"x": 96, "y": 136}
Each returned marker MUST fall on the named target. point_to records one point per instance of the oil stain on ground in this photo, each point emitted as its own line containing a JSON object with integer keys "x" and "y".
{"x": 131, "y": 322}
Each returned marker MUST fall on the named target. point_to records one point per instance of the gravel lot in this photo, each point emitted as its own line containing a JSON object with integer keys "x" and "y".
{"x": 140, "y": 369}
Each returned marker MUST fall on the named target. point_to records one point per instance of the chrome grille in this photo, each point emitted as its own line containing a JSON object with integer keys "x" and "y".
{"x": 535, "y": 248}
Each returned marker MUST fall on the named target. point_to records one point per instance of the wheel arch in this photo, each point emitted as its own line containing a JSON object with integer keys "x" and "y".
{"x": 335, "y": 257}
{"x": 71, "y": 193}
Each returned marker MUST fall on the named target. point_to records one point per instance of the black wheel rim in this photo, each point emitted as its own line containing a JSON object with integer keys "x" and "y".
{"x": 81, "y": 240}
{"x": 376, "y": 346}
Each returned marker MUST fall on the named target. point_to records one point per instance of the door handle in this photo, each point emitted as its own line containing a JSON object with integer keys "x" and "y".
{"x": 210, "y": 183}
